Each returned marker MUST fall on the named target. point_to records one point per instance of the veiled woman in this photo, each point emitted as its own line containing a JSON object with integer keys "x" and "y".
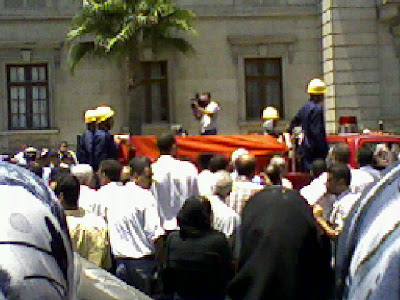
{"x": 282, "y": 255}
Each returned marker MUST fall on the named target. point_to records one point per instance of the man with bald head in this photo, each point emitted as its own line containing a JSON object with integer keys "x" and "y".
{"x": 243, "y": 187}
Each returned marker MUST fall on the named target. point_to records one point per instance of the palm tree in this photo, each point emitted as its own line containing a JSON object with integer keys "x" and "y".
{"x": 123, "y": 28}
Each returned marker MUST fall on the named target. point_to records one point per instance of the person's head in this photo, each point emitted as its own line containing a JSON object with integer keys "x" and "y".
{"x": 218, "y": 162}
{"x": 340, "y": 153}
{"x": 194, "y": 218}
{"x": 339, "y": 178}
{"x": 36, "y": 169}
{"x": 105, "y": 117}
{"x": 203, "y": 160}
{"x": 84, "y": 173}
{"x": 55, "y": 173}
{"x": 204, "y": 98}
{"x": 365, "y": 156}
{"x": 166, "y": 144}
{"x": 223, "y": 184}
{"x": 109, "y": 171}
{"x": 316, "y": 89}
{"x": 273, "y": 172}
{"x": 235, "y": 156}
{"x": 34, "y": 235}
{"x": 280, "y": 162}
{"x": 318, "y": 167}
{"x": 141, "y": 172}
{"x": 30, "y": 154}
{"x": 63, "y": 146}
{"x": 91, "y": 118}
{"x": 246, "y": 165}
{"x": 67, "y": 190}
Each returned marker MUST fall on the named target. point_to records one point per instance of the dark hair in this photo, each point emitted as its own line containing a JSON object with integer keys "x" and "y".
{"x": 165, "y": 142}
{"x": 318, "y": 167}
{"x": 69, "y": 186}
{"x": 274, "y": 174}
{"x": 36, "y": 169}
{"x": 111, "y": 168}
{"x": 365, "y": 156}
{"x": 341, "y": 152}
{"x": 204, "y": 160}
{"x": 218, "y": 162}
{"x": 56, "y": 172}
{"x": 246, "y": 165}
{"x": 340, "y": 171}
{"x": 194, "y": 218}
{"x": 138, "y": 164}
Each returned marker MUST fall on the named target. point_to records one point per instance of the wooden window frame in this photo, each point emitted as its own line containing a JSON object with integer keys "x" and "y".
{"x": 148, "y": 81}
{"x": 262, "y": 79}
{"x": 28, "y": 96}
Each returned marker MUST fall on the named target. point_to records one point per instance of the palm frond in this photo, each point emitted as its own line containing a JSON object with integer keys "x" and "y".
{"x": 78, "y": 51}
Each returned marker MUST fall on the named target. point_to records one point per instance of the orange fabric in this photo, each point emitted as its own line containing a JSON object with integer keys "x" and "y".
{"x": 192, "y": 145}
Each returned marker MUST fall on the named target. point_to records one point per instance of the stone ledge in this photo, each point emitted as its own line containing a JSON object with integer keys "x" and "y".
{"x": 29, "y": 132}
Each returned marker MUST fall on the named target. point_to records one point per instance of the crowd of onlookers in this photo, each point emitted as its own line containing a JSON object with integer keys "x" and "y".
{"x": 215, "y": 229}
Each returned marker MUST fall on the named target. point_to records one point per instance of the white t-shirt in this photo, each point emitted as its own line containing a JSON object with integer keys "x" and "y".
{"x": 174, "y": 182}
{"x": 225, "y": 219}
{"x": 206, "y": 181}
{"x": 317, "y": 188}
{"x": 134, "y": 223}
{"x": 209, "y": 121}
{"x": 87, "y": 199}
{"x": 107, "y": 195}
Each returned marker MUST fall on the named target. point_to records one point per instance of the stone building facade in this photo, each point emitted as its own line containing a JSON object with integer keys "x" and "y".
{"x": 249, "y": 54}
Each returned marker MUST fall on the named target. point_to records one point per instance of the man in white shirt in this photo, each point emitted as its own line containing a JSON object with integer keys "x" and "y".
{"x": 317, "y": 188}
{"x": 174, "y": 182}
{"x": 225, "y": 219}
{"x": 134, "y": 226}
{"x": 365, "y": 157}
{"x": 111, "y": 189}
{"x": 206, "y": 111}
{"x": 87, "y": 195}
{"x": 338, "y": 184}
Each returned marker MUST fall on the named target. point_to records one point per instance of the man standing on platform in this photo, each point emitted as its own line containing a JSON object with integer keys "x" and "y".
{"x": 311, "y": 118}
{"x": 206, "y": 111}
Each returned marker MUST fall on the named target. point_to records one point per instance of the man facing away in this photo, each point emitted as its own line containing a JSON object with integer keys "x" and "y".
{"x": 134, "y": 226}
{"x": 243, "y": 187}
{"x": 111, "y": 188}
{"x": 311, "y": 118}
{"x": 89, "y": 233}
{"x": 174, "y": 181}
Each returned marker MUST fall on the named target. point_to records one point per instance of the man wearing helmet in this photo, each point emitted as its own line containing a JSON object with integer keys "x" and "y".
{"x": 311, "y": 118}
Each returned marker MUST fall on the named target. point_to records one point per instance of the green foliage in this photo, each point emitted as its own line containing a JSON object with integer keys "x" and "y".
{"x": 120, "y": 27}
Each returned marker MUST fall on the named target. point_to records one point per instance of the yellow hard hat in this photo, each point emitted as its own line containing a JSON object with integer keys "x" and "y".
{"x": 270, "y": 113}
{"x": 104, "y": 113}
{"x": 316, "y": 87}
{"x": 90, "y": 116}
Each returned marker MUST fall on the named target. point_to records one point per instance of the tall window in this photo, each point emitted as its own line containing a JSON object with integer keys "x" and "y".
{"x": 28, "y": 100}
{"x": 156, "y": 92}
{"x": 263, "y": 78}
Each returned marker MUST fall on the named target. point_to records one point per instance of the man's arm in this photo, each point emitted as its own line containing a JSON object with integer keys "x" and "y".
{"x": 327, "y": 229}
{"x": 296, "y": 121}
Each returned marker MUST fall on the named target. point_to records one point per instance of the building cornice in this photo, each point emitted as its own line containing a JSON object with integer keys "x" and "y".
{"x": 255, "y": 11}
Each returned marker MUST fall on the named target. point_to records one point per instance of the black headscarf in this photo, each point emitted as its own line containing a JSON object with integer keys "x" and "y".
{"x": 282, "y": 255}
{"x": 194, "y": 218}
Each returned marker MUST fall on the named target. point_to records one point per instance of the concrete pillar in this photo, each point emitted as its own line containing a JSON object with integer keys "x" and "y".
{"x": 350, "y": 61}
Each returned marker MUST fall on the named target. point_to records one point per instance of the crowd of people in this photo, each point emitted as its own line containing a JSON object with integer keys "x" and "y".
{"x": 178, "y": 230}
